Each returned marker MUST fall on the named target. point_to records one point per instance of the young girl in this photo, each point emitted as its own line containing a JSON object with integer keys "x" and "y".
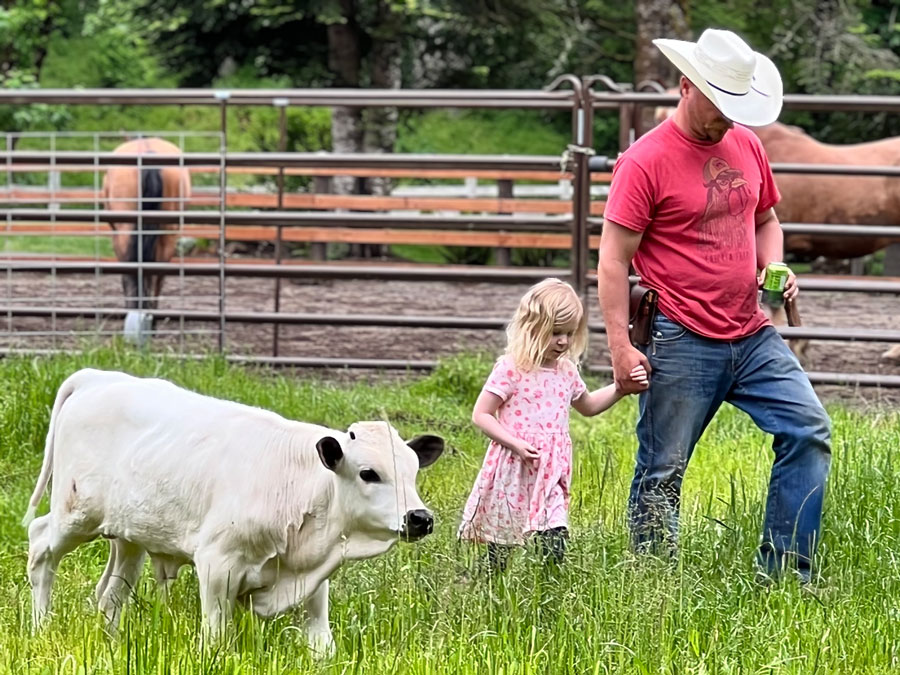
{"x": 522, "y": 489}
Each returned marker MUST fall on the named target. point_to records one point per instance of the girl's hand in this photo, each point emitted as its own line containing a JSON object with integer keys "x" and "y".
{"x": 639, "y": 375}
{"x": 526, "y": 451}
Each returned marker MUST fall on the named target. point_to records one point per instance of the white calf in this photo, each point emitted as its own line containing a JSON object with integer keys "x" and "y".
{"x": 264, "y": 507}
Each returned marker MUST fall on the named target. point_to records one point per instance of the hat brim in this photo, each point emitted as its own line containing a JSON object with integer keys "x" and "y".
{"x": 758, "y": 107}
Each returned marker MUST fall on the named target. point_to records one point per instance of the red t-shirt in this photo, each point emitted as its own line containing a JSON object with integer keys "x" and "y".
{"x": 695, "y": 203}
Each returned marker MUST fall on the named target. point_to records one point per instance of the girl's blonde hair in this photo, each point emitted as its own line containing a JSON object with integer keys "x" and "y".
{"x": 547, "y": 306}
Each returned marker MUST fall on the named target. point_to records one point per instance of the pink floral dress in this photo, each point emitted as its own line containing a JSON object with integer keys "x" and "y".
{"x": 513, "y": 498}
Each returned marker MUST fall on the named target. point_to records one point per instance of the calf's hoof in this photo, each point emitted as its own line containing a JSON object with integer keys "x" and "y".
{"x": 321, "y": 645}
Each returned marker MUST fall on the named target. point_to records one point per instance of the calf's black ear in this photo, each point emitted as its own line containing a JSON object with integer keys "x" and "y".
{"x": 428, "y": 448}
{"x": 330, "y": 452}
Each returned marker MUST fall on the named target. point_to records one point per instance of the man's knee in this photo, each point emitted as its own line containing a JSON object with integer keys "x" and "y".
{"x": 812, "y": 428}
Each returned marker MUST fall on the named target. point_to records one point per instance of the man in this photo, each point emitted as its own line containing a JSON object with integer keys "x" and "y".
{"x": 691, "y": 206}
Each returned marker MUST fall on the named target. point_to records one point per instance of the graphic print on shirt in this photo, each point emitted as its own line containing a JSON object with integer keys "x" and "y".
{"x": 722, "y": 233}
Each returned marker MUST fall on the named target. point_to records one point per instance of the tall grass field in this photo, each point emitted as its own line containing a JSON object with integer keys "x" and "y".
{"x": 428, "y": 607}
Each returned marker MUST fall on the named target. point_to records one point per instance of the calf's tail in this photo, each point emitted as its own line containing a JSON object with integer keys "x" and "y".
{"x": 66, "y": 390}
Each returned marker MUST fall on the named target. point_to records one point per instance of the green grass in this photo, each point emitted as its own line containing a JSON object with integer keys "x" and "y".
{"x": 413, "y": 611}
{"x": 62, "y": 245}
{"x": 484, "y": 132}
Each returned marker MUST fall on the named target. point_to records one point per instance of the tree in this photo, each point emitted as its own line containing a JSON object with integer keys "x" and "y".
{"x": 26, "y": 28}
{"x": 657, "y": 19}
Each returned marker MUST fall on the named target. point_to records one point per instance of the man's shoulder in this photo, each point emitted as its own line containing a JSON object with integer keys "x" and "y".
{"x": 648, "y": 144}
{"x": 649, "y": 151}
{"x": 746, "y": 136}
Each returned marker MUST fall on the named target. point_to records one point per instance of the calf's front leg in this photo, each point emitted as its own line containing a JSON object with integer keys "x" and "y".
{"x": 219, "y": 582}
{"x": 318, "y": 632}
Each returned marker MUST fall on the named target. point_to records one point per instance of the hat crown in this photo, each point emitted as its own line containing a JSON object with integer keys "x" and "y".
{"x": 743, "y": 84}
{"x": 725, "y": 61}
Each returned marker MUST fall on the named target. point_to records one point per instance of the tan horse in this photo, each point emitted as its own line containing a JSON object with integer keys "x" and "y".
{"x": 858, "y": 200}
{"x": 154, "y": 188}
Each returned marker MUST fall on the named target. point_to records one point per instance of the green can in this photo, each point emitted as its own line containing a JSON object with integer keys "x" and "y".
{"x": 773, "y": 284}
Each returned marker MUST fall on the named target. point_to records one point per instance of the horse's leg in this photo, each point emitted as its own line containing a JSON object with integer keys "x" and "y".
{"x": 892, "y": 354}
{"x": 121, "y": 246}
{"x": 778, "y": 316}
{"x": 176, "y": 188}
{"x": 165, "y": 250}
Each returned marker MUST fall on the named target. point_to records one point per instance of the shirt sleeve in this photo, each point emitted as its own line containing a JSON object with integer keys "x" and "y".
{"x": 769, "y": 195}
{"x": 503, "y": 379}
{"x": 579, "y": 387}
{"x": 631, "y": 196}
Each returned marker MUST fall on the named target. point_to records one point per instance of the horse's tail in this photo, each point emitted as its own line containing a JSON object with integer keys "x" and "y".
{"x": 65, "y": 390}
{"x": 151, "y": 200}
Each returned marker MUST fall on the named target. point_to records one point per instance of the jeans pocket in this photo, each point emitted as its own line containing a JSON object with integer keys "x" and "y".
{"x": 666, "y": 330}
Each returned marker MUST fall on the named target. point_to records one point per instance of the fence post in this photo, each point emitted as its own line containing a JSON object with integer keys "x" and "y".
{"x": 502, "y": 254}
{"x": 626, "y": 125}
{"x": 573, "y": 160}
{"x": 281, "y": 104}
{"x": 318, "y": 250}
{"x": 587, "y": 145}
{"x": 223, "y": 97}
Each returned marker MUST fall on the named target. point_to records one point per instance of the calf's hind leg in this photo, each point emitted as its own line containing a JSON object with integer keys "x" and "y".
{"x": 48, "y": 542}
{"x": 127, "y": 560}
{"x": 166, "y": 572}
{"x": 107, "y": 572}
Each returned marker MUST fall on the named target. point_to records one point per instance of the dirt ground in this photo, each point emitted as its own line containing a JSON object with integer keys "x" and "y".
{"x": 857, "y": 310}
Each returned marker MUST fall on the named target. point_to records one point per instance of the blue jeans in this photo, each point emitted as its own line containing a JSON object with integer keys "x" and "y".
{"x": 691, "y": 377}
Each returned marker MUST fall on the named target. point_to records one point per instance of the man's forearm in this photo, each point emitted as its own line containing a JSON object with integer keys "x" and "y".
{"x": 613, "y": 293}
{"x": 769, "y": 242}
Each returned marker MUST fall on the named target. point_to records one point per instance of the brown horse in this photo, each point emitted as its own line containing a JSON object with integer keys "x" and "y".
{"x": 859, "y": 200}
{"x": 129, "y": 188}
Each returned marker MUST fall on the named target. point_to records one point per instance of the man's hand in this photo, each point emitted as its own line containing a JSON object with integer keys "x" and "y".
{"x": 625, "y": 360}
{"x": 791, "y": 288}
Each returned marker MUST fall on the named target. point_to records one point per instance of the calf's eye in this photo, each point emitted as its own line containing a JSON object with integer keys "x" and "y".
{"x": 369, "y": 476}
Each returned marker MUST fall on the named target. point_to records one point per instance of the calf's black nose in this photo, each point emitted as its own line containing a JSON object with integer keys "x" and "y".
{"x": 417, "y": 523}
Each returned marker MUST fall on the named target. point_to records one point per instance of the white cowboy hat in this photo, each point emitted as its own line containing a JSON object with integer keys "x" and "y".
{"x": 744, "y": 85}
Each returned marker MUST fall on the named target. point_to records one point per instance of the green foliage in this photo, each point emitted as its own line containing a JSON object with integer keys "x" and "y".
{"x": 107, "y": 60}
{"x": 538, "y": 257}
{"x": 484, "y": 132}
{"x": 201, "y": 40}
{"x": 836, "y": 46}
{"x": 822, "y": 47}
{"x": 459, "y": 379}
{"x": 428, "y": 608}
{"x": 36, "y": 117}
{"x": 26, "y": 27}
